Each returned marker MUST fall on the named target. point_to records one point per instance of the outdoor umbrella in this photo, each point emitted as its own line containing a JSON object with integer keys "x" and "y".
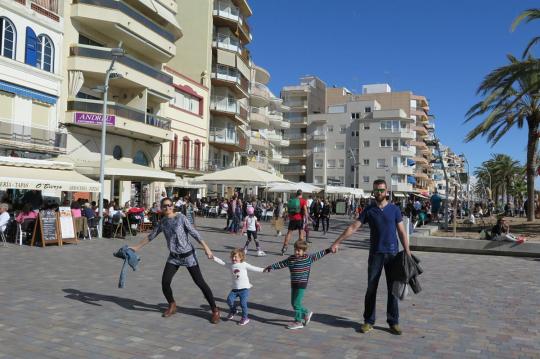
{"x": 242, "y": 175}
{"x": 293, "y": 187}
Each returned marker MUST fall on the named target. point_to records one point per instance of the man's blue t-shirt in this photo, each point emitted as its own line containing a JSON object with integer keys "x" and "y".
{"x": 383, "y": 226}
{"x": 435, "y": 203}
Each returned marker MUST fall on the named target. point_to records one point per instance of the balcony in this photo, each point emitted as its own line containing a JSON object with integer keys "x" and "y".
{"x": 28, "y": 138}
{"x": 260, "y": 95}
{"x": 401, "y": 187}
{"x": 258, "y": 143}
{"x": 420, "y": 160}
{"x": 294, "y": 153}
{"x": 407, "y": 151}
{"x": 421, "y": 175}
{"x": 117, "y": 19}
{"x": 403, "y": 170}
{"x": 47, "y": 8}
{"x": 284, "y": 161}
{"x": 230, "y": 107}
{"x": 182, "y": 165}
{"x": 227, "y": 139}
{"x": 126, "y": 121}
{"x": 398, "y": 133}
{"x": 421, "y": 130}
{"x": 296, "y": 104}
{"x": 284, "y": 143}
{"x": 318, "y": 136}
{"x": 258, "y": 162}
{"x": 296, "y": 138}
{"x": 232, "y": 78}
{"x": 275, "y": 118}
{"x": 261, "y": 75}
{"x": 94, "y": 62}
{"x": 275, "y": 157}
{"x": 293, "y": 169}
{"x": 226, "y": 14}
{"x": 296, "y": 121}
{"x": 274, "y": 138}
{"x": 258, "y": 119}
{"x": 420, "y": 113}
{"x": 227, "y": 42}
{"x": 285, "y": 124}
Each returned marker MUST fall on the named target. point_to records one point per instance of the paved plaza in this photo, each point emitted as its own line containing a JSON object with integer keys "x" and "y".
{"x": 63, "y": 302}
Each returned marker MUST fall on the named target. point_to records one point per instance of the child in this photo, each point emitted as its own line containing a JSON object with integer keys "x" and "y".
{"x": 300, "y": 266}
{"x": 240, "y": 283}
{"x": 251, "y": 225}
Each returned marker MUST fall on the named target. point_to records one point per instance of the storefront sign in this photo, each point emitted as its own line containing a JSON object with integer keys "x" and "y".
{"x": 93, "y": 119}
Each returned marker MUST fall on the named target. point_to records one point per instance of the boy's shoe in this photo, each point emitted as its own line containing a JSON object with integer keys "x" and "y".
{"x": 395, "y": 329}
{"x": 307, "y": 318}
{"x": 231, "y": 315}
{"x": 365, "y": 328}
{"x": 244, "y": 321}
{"x": 283, "y": 250}
{"x": 261, "y": 253}
{"x": 295, "y": 325}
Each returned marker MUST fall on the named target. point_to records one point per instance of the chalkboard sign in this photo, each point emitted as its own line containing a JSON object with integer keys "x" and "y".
{"x": 66, "y": 226}
{"x": 46, "y": 229}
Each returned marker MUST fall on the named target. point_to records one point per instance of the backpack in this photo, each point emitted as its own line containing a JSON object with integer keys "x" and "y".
{"x": 293, "y": 206}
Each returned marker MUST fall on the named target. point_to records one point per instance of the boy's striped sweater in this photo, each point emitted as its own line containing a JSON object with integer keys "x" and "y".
{"x": 300, "y": 267}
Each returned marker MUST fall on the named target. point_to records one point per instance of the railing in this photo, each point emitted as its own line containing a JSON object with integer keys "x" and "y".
{"x": 230, "y": 105}
{"x": 227, "y": 42}
{"x": 260, "y": 90}
{"x": 132, "y": 13}
{"x": 294, "y": 152}
{"x": 274, "y": 137}
{"x": 184, "y": 164}
{"x": 295, "y": 103}
{"x": 227, "y": 136}
{"x": 51, "y": 5}
{"x": 105, "y": 54}
{"x": 227, "y": 10}
{"x": 293, "y": 169}
{"x": 318, "y": 149}
{"x": 96, "y": 106}
{"x": 24, "y": 136}
{"x": 228, "y": 73}
{"x": 298, "y": 120}
{"x": 258, "y": 141}
{"x": 296, "y": 137}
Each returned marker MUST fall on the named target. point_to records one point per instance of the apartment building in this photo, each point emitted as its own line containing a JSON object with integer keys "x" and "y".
{"x": 266, "y": 125}
{"x": 230, "y": 84}
{"x": 376, "y": 135}
{"x": 139, "y": 95}
{"x": 309, "y": 97}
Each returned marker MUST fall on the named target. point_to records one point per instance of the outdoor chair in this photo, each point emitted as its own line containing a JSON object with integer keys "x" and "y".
{"x": 3, "y": 236}
{"x": 25, "y": 230}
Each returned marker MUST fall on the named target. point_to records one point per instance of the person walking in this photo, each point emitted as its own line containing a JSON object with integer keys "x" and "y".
{"x": 384, "y": 221}
{"x": 298, "y": 211}
{"x": 325, "y": 215}
{"x": 175, "y": 227}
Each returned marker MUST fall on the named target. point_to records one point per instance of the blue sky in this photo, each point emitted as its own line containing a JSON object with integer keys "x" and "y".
{"x": 438, "y": 48}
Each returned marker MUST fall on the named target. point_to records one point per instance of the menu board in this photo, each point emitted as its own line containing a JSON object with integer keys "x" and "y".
{"x": 67, "y": 229}
{"x": 46, "y": 229}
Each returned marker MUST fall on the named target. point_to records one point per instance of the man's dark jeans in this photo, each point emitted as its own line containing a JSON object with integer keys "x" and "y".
{"x": 376, "y": 262}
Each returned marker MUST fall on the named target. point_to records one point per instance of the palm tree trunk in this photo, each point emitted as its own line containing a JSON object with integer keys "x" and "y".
{"x": 532, "y": 142}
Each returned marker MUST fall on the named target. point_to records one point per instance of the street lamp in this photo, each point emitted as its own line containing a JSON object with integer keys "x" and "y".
{"x": 115, "y": 53}
{"x": 468, "y": 181}
{"x": 355, "y": 165}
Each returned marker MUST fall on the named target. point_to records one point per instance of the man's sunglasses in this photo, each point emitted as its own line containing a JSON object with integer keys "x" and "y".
{"x": 167, "y": 205}
{"x": 379, "y": 190}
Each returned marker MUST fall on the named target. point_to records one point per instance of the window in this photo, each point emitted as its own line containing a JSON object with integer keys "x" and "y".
{"x": 355, "y": 115}
{"x": 318, "y": 179}
{"x": 8, "y": 38}
{"x": 6, "y": 105}
{"x": 343, "y": 129}
{"x": 330, "y": 128}
{"x": 386, "y": 142}
{"x": 366, "y": 126}
{"x": 381, "y": 163}
{"x": 83, "y": 40}
{"x": 367, "y": 109}
{"x": 366, "y": 179}
{"x": 341, "y": 180}
{"x": 366, "y": 143}
{"x": 339, "y": 146}
{"x": 357, "y": 133}
{"x": 366, "y": 162}
{"x": 341, "y": 163}
{"x": 40, "y": 114}
{"x": 187, "y": 102}
{"x": 45, "y": 53}
{"x": 331, "y": 164}
{"x": 318, "y": 163}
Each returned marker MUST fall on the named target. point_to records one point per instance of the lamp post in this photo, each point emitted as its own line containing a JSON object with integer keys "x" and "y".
{"x": 355, "y": 165}
{"x": 468, "y": 181}
{"x": 115, "y": 53}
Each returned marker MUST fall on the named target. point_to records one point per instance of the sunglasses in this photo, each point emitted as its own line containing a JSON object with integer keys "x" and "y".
{"x": 167, "y": 205}
{"x": 379, "y": 190}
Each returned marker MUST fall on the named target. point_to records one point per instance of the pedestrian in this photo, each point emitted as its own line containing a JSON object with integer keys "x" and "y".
{"x": 299, "y": 266}
{"x": 252, "y": 226}
{"x": 240, "y": 283}
{"x": 384, "y": 221}
{"x": 325, "y": 216}
{"x": 279, "y": 214}
{"x": 297, "y": 208}
{"x": 176, "y": 228}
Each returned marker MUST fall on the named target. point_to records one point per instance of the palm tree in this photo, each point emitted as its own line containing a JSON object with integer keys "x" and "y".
{"x": 511, "y": 99}
{"x": 505, "y": 169}
{"x": 528, "y": 16}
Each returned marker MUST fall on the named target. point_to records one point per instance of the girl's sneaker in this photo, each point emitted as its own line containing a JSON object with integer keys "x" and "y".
{"x": 244, "y": 321}
{"x": 295, "y": 325}
{"x": 231, "y": 315}
{"x": 245, "y": 250}
{"x": 261, "y": 253}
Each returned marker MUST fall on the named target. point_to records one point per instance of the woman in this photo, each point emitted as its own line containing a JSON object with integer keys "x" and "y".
{"x": 26, "y": 213}
{"x": 75, "y": 209}
{"x": 279, "y": 215}
{"x": 175, "y": 227}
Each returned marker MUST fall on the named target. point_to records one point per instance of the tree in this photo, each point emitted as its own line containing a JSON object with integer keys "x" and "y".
{"x": 505, "y": 168}
{"x": 511, "y": 99}
{"x": 528, "y": 16}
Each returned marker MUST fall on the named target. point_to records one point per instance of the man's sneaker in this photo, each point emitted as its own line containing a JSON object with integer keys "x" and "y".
{"x": 295, "y": 325}
{"x": 307, "y": 318}
{"x": 365, "y": 328}
{"x": 231, "y": 315}
{"x": 244, "y": 321}
{"x": 395, "y": 329}
{"x": 283, "y": 250}
{"x": 261, "y": 253}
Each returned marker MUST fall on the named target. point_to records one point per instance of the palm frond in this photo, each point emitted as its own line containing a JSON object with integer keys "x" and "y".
{"x": 527, "y": 16}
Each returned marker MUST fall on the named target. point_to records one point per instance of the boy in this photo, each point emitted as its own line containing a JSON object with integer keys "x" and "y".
{"x": 300, "y": 266}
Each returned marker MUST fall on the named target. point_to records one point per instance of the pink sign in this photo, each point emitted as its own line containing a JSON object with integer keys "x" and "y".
{"x": 93, "y": 119}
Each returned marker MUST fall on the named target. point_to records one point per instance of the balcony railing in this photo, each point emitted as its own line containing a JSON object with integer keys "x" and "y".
{"x": 260, "y": 90}
{"x": 227, "y": 10}
{"x": 227, "y": 42}
{"x": 227, "y": 136}
{"x": 137, "y": 65}
{"x": 182, "y": 163}
{"x": 296, "y": 137}
{"x": 231, "y": 74}
{"x": 96, "y": 106}
{"x": 51, "y": 5}
{"x": 21, "y": 136}
{"x": 230, "y": 105}
{"x": 295, "y": 103}
{"x": 293, "y": 169}
{"x": 132, "y": 13}
{"x": 297, "y": 120}
{"x": 294, "y": 152}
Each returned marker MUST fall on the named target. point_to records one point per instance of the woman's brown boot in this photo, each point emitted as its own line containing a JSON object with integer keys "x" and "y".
{"x": 215, "y": 316}
{"x": 170, "y": 311}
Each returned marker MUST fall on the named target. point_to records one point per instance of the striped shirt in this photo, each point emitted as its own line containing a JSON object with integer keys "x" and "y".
{"x": 300, "y": 267}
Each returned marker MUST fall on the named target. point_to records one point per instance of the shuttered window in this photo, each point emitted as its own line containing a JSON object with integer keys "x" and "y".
{"x": 40, "y": 114}
{"x": 6, "y": 106}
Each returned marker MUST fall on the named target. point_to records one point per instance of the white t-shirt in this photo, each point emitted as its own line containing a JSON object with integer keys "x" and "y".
{"x": 240, "y": 279}
{"x": 251, "y": 222}
{"x": 4, "y": 220}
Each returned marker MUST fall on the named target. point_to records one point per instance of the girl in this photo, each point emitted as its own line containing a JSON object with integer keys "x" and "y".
{"x": 252, "y": 225}
{"x": 240, "y": 283}
{"x": 176, "y": 227}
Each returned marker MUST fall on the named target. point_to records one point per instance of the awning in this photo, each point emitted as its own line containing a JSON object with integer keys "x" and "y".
{"x": 45, "y": 179}
{"x": 398, "y": 194}
{"x": 420, "y": 195}
{"x": 240, "y": 176}
{"x": 185, "y": 183}
{"x": 124, "y": 170}
{"x": 28, "y": 93}
{"x": 293, "y": 187}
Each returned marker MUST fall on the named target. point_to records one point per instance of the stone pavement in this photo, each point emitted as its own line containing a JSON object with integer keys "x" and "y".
{"x": 63, "y": 302}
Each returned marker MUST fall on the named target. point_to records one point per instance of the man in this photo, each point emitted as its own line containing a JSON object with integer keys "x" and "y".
{"x": 436, "y": 201}
{"x": 298, "y": 211}
{"x": 384, "y": 220}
